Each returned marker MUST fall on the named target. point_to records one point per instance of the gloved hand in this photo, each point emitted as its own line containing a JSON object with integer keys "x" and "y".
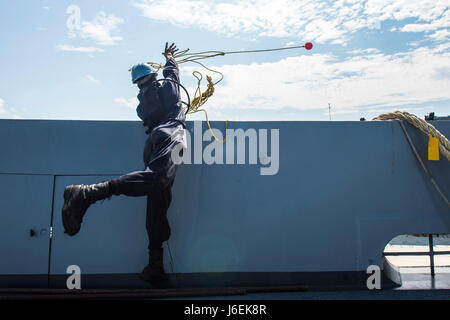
{"x": 169, "y": 51}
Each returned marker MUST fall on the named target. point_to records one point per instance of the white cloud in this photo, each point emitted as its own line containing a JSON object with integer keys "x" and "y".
{"x": 131, "y": 103}
{"x": 46, "y": 8}
{"x": 439, "y": 27}
{"x": 4, "y": 113}
{"x": 417, "y": 27}
{"x": 310, "y": 82}
{"x": 414, "y": 43}
{"x": 441, "y": 35}
{"x": 64, "y": 47}
{"x": 100, "y": 29}
{"x": 92, "y": 79}
{"x": 364, "y": 51}
{"x": 320, "y": 21}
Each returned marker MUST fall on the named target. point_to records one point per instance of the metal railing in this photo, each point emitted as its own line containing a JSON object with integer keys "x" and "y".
{"x": 431, "y": 253}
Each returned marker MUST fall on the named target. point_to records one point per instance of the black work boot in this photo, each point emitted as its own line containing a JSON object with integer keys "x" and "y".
{"x": 154, "y": 271}
{"x": 77, "y": 199}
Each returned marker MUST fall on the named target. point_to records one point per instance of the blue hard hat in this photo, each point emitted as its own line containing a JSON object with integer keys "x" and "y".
{"x": 141, "y": 70}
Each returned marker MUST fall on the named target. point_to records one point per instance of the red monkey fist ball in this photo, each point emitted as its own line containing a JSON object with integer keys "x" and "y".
{"x": 308, "y": 46}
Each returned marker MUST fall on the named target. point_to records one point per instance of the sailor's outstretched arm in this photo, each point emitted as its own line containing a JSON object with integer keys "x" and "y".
{"x": 172, "y": 72}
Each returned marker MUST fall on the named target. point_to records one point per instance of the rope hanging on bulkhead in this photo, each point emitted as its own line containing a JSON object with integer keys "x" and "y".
{"x": 422, "y": 125}
{"x": 428, "y": 129}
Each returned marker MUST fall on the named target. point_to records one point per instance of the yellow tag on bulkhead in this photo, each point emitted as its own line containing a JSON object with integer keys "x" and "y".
{"x": 433, "y": 148}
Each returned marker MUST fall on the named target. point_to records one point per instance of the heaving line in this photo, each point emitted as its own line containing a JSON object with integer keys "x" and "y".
{"x": 200, "y": 98}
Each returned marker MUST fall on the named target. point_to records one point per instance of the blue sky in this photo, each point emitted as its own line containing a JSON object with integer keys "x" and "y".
{"x": 369, "y": 57}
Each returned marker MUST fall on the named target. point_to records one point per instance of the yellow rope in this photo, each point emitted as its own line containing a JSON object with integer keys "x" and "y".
{"x": 200, "y": 97}
{"x": 210, "y": 129}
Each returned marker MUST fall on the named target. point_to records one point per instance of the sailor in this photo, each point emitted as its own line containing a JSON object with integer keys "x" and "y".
{"x": 161, "y": 111}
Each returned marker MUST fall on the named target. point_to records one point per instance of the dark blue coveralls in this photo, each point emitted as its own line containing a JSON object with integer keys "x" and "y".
{"x": 161, "y": 110}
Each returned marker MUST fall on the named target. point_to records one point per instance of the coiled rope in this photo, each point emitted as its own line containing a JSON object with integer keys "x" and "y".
{"x": 200, "y": 98}
{"x": 426, "y": 128}
{"x": 422, "y": 125}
